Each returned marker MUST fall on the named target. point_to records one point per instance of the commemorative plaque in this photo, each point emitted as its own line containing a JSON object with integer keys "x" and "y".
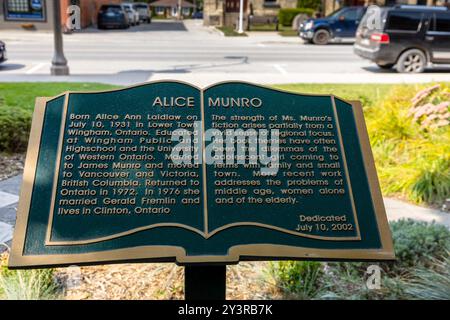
{"x": 166, "y": 171}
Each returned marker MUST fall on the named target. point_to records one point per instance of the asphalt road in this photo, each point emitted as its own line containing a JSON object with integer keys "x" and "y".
{"x": 188, "y": 51}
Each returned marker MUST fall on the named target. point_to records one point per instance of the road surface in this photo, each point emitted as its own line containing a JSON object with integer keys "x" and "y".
{"x": 188, "y": 51}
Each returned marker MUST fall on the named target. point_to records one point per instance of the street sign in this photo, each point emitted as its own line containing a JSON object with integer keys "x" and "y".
{"x": 166, "y": 171}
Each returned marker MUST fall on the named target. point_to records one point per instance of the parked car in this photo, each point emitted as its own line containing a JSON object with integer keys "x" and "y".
{"x": 409, "y": 37}
{"x": 112, "y": 16}
{"x": 341, "y": 24}
{"x": 197, "y": 15}
{"x": 133, "y": 15}
{"x": 3, "y": 55}
{"x": 143, "y": 9}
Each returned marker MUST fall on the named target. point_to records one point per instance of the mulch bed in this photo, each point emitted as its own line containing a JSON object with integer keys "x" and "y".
{"x": 246, "y": 280}
{"x": 11, "y": 165}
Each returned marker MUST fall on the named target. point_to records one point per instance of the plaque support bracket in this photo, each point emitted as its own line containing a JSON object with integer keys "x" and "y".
{"x": 205, "y": 282}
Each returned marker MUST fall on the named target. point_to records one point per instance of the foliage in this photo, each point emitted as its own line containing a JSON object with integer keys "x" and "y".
{"x": 431, "y": 107}
{"x": 432, "y": 285}
{"x": 299, "y": 278}
{"x": 416, "y": 243}
{"x": 286, "y": 16}
{"x": 230, "y": 32}
{"x": 411, "y": 162}
{"x": 311, "y": 4}
{"x": 421, "y": 251}
{"x": 16, "y": 107}
{"x": 15, "y": 125}
{"x": 36, "y": 284}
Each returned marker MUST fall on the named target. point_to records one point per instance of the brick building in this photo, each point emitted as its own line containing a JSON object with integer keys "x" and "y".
{"x": 226, "y": 12}
{"x": 16, "y": 14}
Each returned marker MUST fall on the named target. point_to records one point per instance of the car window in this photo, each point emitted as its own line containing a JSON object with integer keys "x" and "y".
{"x": 442, "y": 22}
{"x": 336, "y": 13}
{"x": 368, "y": 22}
{"x": 407, "y": 21}
{"x": 351, "y": 14}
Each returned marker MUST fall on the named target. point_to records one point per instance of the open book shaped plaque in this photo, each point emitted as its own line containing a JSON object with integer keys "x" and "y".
{"x": 142, "y": 174}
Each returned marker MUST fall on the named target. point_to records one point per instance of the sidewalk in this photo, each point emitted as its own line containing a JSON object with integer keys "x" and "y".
{"x": 9, "y": 191}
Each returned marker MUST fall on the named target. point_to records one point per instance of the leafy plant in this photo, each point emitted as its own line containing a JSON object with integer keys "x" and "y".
{"x": 298, "y": 278}
{"x": 286, "y": 16}
{"x": 26, "y": 284}
{"x": 432, "y": 285}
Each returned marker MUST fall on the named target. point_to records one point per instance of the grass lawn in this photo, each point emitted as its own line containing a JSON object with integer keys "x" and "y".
{"x": 230, "y": 32}
{"x": 282, "y": 30}
{"x": 23, "y": 95}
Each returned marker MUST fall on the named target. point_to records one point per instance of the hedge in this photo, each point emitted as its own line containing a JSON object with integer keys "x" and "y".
{"x": 286, "y": 16}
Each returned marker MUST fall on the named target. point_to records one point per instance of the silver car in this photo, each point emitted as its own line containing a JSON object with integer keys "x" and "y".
{"x": 145, "y": 14}
{"x": 133, "y": 15}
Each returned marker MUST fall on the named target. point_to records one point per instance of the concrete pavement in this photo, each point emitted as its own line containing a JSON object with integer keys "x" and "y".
{"x": 395, "y": 209}
{"x": 191, "y": 52}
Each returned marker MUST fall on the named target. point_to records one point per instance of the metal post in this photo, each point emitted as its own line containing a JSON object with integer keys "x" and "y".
{"x": 179, "y": 10}
{"x": 205, "y": 282}
{"x": 59, "y": 62}
{"x": 241, "y": 17}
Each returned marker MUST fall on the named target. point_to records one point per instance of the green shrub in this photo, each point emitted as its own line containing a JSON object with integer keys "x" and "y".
{"x": 416, "y": 243}
{"x": 299, "y": 278}
{"x": 411, "y": 162}
{"x": 286, "y": 16}
{"x": 15, "y": 124}
{"x": 311, "y": 4}
{"x": 37, "y": 284}
{"x": 432, "y": 285}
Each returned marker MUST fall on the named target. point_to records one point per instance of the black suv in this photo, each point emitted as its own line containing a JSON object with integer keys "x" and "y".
{"x": 408, "y": 37}
{"x": 3, "y": 56}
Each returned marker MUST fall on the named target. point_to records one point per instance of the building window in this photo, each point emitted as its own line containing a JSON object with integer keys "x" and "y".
{"x": 186, "y": 11}
{"x": 25, "y": 10}
{"x": 159, "y": 10}
{"x": 271, "y": 3}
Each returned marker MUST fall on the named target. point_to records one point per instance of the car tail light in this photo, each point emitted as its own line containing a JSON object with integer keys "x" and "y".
{"x": 380, "y": 37}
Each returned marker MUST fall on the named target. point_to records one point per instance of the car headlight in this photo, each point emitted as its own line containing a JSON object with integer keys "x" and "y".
{"x": 309, "y": 25}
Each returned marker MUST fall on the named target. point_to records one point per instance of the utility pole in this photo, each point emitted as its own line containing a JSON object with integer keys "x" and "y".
{"x": 59, "y": 62}
{"x": 241, "y": 17}
{"x": 179, "y": 9}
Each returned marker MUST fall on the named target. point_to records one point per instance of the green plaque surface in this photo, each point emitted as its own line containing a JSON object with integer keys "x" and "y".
{"x": 166, "y": 171}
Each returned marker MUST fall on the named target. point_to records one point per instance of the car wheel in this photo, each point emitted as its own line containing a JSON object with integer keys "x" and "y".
{"x": 385, "y": 66}
{"x": 321, "y": 37}
{"x": 412, "y": 61}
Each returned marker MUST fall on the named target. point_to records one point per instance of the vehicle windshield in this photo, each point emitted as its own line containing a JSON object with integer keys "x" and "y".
{"x": 140, "y": 6}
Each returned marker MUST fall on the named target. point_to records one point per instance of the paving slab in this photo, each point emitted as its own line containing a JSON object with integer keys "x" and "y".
{"x": 6, "y": 231}
{"x": 7, "y": 198}
{"x": 11, "y": 185}
{"x": 396, "y": 209}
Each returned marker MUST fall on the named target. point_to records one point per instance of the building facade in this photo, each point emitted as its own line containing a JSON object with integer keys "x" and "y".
{"x": 226, "y": 12}
{"x": 331, "y": 5}
{"x": 38, "y": 14}
{"x": 169, "y": 8}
